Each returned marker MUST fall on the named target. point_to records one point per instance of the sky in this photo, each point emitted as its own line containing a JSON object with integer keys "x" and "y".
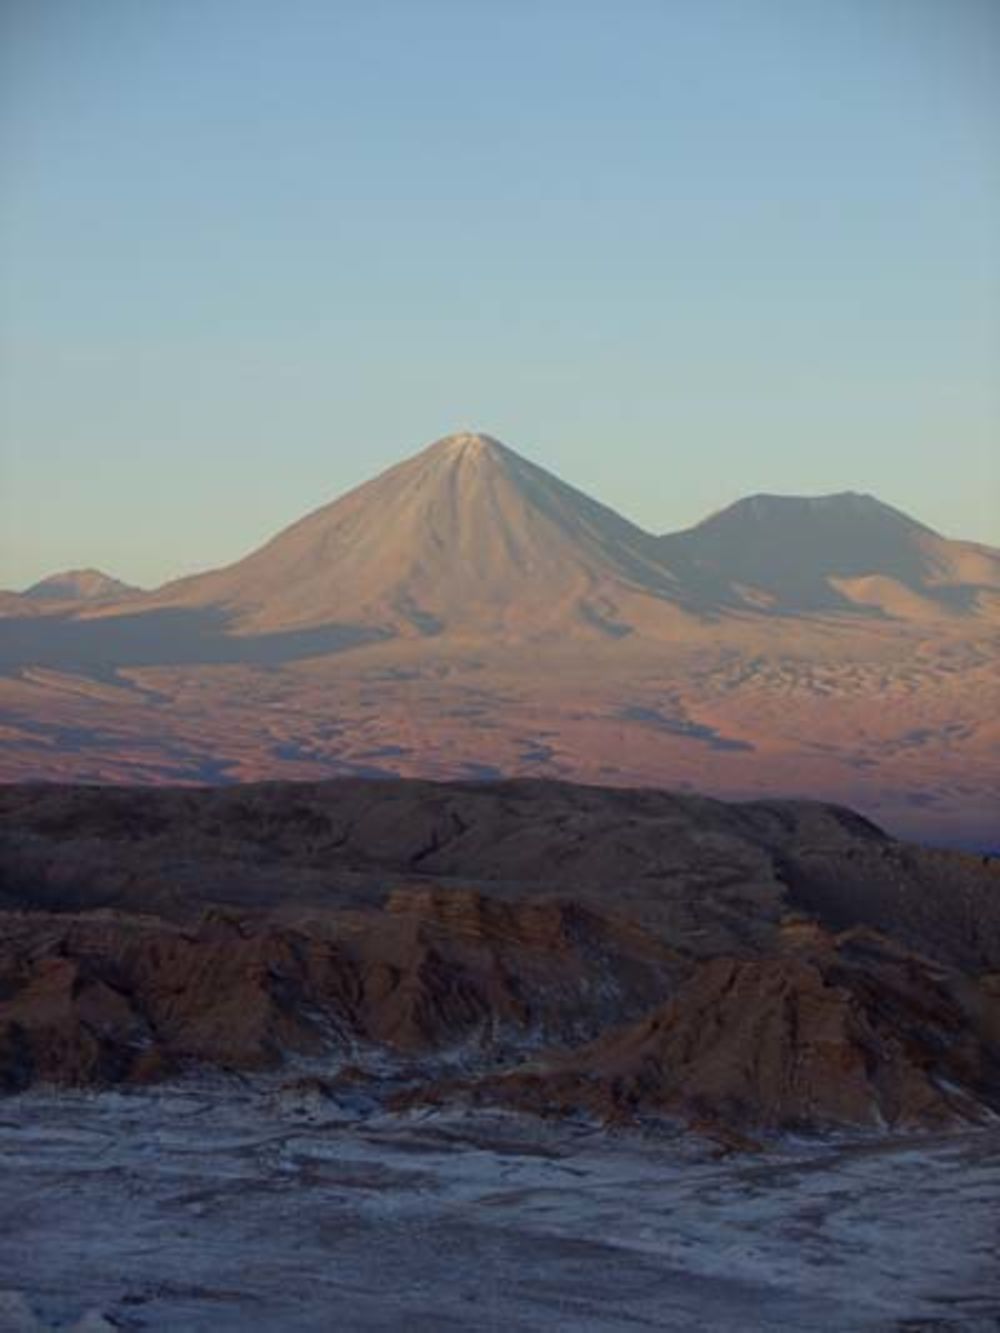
{"x": 676, "y": 251}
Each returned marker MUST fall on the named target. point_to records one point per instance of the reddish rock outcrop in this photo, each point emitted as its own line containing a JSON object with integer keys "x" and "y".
{"x": 106, "y": 997}
{"x": 757, "y": 967}
{"x": 854, "y": 1033}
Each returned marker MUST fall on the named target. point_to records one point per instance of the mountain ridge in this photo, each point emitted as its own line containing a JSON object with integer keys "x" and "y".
{"x": 815, "y": 553}
{"x": 470, "y": 538}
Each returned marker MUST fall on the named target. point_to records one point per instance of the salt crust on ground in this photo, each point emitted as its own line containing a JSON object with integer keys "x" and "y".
{"x": 228, "y": 1205}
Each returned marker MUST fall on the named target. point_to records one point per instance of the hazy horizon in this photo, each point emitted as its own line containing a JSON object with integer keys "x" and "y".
{"x": 676, "y": 255}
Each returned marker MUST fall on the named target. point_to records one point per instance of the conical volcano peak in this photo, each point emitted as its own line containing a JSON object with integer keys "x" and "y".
{"x": 470, "y": 537}
{"x": 468, "y": 446}
{"x": 466, "y": 536}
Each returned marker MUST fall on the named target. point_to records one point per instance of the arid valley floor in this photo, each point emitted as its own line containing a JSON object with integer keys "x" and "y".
{"x": 230, "y": 1206}
{"x": 902, "y": 726}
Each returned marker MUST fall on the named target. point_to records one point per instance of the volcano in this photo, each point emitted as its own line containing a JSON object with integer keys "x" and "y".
{"x": 467, "y": 536}
{"x": 845, "y": 552}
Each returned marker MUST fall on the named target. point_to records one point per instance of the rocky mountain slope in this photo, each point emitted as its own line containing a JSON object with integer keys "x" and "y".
{"x": 465, "y": 537}
{"x": 836, "y": 553}
{"x": 566, "y": 950}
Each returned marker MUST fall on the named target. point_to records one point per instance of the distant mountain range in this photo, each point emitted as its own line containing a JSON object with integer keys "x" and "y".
{"x": 467, "y": 614}
{"x": 836, "y": 553}
{"x": 79, "y": 585}
{"x": 468, "y": 537}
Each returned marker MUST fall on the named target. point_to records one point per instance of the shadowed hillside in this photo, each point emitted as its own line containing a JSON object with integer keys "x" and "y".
{"x": 845, "y": 553}
{"x": 568, "y": 950}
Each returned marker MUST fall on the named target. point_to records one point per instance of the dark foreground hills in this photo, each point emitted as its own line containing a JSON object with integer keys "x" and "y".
{"x": 630, "y": 955}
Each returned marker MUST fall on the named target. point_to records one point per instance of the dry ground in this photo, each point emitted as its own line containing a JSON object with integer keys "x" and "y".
{"x": 221, "y": 1207}
{"x": 900, "y": 723}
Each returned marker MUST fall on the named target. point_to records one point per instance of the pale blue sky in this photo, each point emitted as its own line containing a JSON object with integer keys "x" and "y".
{"x": 252, "y": 251}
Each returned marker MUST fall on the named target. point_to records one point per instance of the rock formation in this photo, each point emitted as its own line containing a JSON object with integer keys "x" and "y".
{"x": 623, "y": 954}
